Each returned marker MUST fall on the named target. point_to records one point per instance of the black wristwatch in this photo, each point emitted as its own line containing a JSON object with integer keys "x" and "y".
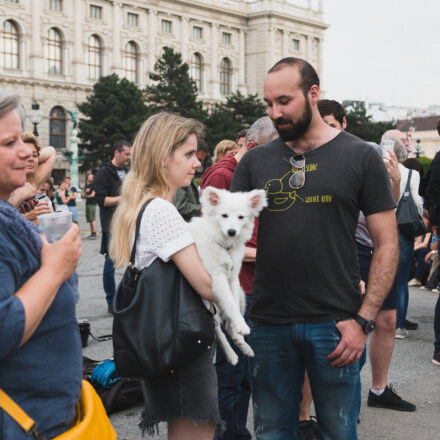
{"x": 368, "y": 326}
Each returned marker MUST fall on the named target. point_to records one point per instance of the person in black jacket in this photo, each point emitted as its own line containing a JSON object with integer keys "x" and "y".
{"x": 108, "y": 182}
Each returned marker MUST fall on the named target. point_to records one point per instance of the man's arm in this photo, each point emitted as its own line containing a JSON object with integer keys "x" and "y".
{"x": 383, "y": 230}
{"x": 102, "y": 189}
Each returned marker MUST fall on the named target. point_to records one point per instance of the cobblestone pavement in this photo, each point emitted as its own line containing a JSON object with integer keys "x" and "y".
{"x": 412, "y": 373}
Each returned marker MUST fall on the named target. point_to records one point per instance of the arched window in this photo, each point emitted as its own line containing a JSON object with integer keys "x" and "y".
{"x": 225, "y": 76}
{"x": 55, "y": 51}
{"x": 131, "y": 62}
{"x": 10, "y": 45}
{"x": 95, "y": 57}
{"x": 57, "y": 127}
{"x": 196, "y": 70}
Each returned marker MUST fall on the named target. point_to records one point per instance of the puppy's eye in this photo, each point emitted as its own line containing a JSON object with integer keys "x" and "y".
{"x": 240, "y": 217}
{"x": 225, "y": 215}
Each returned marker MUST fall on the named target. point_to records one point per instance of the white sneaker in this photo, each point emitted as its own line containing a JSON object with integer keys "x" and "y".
{"x": 434, "y": 290}
{"x": 401, "y": 333}
{"x": 414, "y": 283}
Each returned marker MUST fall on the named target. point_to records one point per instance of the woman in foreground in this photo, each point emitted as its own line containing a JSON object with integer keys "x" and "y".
{"x": 164, "y": 159}
{"x": 40, "y": 346}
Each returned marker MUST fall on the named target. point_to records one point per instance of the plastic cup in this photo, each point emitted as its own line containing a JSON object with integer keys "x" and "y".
{"x": 55, "y": 225}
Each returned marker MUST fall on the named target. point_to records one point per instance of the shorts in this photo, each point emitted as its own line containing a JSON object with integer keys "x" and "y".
{"x": 74, "y": 211}
{"x": 190, "y": 393}
{"x": 90, "y": 213}
{"x": 365, "y": 255}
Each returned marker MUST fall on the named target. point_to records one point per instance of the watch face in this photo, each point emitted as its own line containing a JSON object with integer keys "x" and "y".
{"x": 370, "y": 326}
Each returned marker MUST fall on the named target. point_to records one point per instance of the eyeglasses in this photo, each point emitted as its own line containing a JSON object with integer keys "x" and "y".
{"x": 299, "y": 176}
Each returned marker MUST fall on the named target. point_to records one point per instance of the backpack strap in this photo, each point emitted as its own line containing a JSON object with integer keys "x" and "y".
{"x": 26, "y": 423}
{"x": 138, "y": 226}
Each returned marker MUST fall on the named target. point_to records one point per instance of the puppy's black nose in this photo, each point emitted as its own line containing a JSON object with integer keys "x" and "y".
{"x": 231, "y": 232}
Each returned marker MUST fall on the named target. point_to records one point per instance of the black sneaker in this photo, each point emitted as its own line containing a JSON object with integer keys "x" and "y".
{"x": 436, "y": 358}
{"x": 389, "y": 399}
{"x": 307, "y": 430}
{"x": 411, "y": 325}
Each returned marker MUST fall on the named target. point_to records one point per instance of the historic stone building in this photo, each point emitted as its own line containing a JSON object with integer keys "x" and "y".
{"x": 52, "y": 51}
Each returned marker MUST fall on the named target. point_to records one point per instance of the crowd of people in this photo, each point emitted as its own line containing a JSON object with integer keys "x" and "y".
{"x": 328, "y": 265}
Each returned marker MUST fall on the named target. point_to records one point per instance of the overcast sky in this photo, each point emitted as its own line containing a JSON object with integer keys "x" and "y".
{"x": 383, "y": 50}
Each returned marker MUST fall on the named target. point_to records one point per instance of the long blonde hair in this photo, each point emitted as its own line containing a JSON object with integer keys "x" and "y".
{"x": 158, "y": 137}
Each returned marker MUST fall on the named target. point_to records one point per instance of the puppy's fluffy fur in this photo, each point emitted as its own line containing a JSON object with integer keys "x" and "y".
{"x": 220, "y": 236}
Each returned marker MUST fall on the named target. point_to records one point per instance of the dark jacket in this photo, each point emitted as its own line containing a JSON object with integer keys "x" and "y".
{"x": 186, "y": 200}
{"x": 107, "y": 184}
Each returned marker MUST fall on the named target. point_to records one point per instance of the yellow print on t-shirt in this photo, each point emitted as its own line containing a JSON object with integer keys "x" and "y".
{"x": 281, "y": 196}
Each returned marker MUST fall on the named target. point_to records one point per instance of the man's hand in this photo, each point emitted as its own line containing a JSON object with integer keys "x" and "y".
{"x": 351, "y": 345}
{"x": 392, "y": 165}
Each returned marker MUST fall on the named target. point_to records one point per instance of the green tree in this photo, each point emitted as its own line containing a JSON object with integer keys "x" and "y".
{"x": 361, "y": 124}
{"x": 174, "y": 90}
{"x": 239, "y": 112}
{"x": 114, "y": 110}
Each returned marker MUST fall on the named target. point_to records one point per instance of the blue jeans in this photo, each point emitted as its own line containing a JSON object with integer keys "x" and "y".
{"x": 419, "y": 273}
{"x": 108, "y": 276}
{"x": 282, "y": 353}
{"x": 234, "y": 392}
{"x": 406, "y": 253}
{"x": 437, "y": 326}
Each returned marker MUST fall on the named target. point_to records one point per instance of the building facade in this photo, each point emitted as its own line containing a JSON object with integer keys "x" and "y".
{"x": 52, "y": 51}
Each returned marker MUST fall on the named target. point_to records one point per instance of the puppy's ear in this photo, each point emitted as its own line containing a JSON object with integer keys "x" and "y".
{"x": 257, "y": 200}
{"x": 210, "y": 196}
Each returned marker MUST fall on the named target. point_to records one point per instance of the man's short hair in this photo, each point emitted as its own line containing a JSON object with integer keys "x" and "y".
{"x": 120, "y": 144}
{"x": 308, "y": 74}
{"x": 67, "y": 177}
{"x": 202, "y": 145}
{"x": 328, "y": 107}
{"x": 240, "y": 134}
{"x": 262, "y": 131}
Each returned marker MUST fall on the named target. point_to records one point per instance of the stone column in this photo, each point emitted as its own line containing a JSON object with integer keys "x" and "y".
{"x": 271, "y": 48}
{"x": 320, "y": 6}
{"x": 286, "y": 42}
{"x": 37, "y": 60}
{"x": 309, "y": 48}
{"x": 152, "y": 26}
{"x": 116, "y": 25}
{"x": 184, "y": 23}
{"x": 242, "y": 63}
{"x": 214, "y": 80}
{"x": 78, "y": 67}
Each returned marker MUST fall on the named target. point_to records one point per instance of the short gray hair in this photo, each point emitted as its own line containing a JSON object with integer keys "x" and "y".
{"x": 262, "y": 131}
{"x": 400, "y": 150}
{"x": 8, "y": 102}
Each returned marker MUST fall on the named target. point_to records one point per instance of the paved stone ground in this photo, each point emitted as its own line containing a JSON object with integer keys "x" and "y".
{"x": 412, "y": 373}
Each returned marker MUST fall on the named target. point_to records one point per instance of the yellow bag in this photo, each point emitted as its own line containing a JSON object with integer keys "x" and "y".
{"x": 91, "y": 421}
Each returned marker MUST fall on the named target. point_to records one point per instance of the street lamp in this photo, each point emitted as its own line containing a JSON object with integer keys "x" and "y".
{"x": 35, "y": 116}
{"x": 419, "y": 148}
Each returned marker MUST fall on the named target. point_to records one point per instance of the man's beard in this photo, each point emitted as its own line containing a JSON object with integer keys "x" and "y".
{"x": 298, "y": 128}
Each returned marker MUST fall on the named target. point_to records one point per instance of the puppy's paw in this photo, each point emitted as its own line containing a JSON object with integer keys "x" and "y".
{"x": 243, "y": 329}
{"x": 233, "y": 358}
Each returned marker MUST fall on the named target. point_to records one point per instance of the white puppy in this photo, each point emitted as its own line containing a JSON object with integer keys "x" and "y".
{"x": 220, "y": 236}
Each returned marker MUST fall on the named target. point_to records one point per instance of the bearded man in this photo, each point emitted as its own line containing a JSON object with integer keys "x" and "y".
{"x": 306, "y": 310}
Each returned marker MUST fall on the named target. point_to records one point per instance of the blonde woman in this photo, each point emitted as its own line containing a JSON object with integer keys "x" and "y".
{"x": 224, "y": 148}
{"x": 164, "y": 159}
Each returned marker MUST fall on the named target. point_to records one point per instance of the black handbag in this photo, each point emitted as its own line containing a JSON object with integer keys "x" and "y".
{"x": 160, "y": 322}
{"x": 409, "y": 221}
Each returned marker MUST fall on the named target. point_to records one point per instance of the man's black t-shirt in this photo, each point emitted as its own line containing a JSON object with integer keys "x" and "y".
{"x": 306, "y": 268}
{"x": 90, "y": 187}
